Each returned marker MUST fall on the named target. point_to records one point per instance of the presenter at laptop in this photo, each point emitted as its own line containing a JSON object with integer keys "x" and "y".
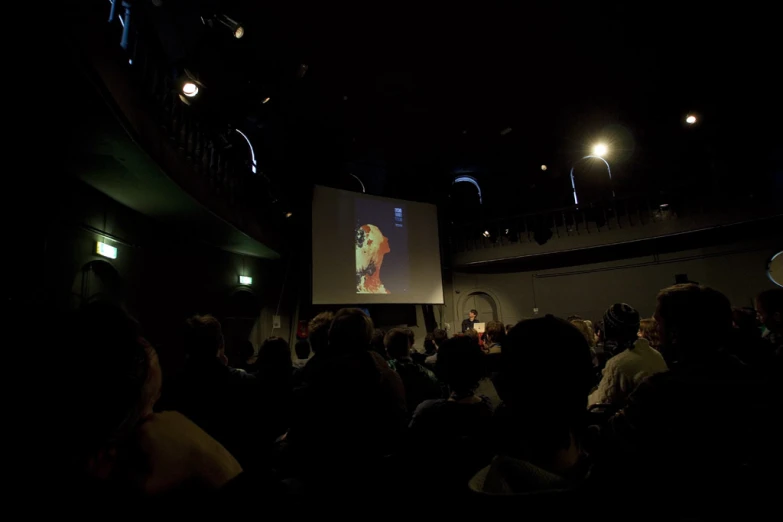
{"x": 468, "y": 324}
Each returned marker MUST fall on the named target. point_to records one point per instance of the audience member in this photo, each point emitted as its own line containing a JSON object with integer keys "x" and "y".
{"x": 376, "y": 344}
{"x": 459, "y": 425}
{"x": 692, "y": 432}
{"x": 302, "y": 350}
{"x": 246, "y": 354}
{"x": 352, "y": 410}
{"x": 274, "y": 371}
{"x": 544, "y": 381}
{"x": 439, "y": 336}
{"x": 213, "y": 395}
{"x": 634, "y": 359}
{"x": 494, "y": 334}
{"x": 747, "y": 343}
{"x": 648, "y": 329}
{"x": 420, "y": 383}
{"x": 586, "y": 330}
{"x": 769, "y": 305}
{"x": 114, "y": 444}
{"x": 318, "y": 336}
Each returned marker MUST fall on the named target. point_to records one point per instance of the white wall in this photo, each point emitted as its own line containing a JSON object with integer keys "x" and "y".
{"x": 738, "y": 270}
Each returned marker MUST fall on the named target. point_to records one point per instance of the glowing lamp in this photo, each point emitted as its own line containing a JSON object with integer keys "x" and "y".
{"x": 245, "y": 280}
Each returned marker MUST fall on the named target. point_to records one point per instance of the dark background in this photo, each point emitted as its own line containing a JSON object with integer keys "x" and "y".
{"x": 395, "y": 272}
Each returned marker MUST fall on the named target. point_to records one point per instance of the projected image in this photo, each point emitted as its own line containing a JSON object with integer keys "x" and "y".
{"x": 371, "y": 246}
{"x": 381, "y": 246}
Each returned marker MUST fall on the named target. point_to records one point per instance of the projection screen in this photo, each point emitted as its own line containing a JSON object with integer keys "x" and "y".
{"x": 371, "y": 250}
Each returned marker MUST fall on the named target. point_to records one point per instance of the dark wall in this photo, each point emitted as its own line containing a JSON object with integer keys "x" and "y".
{"x": 161, "y": 276}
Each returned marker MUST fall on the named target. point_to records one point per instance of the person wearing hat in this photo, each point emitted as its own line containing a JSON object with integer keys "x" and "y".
{"x": 634, "y": 358}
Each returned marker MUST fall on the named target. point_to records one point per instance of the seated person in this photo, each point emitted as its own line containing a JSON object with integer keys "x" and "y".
{"x": 114, "y": 443}
{"x": 634, "y": 358}
{"x": 494, "y": 334}
{"x": 544, "y": 380}
{"x": 459, "y": 425}
{"x": 220, "y": 399}
{"x": 420, "y": 383}
{"x": 439, "y": 336}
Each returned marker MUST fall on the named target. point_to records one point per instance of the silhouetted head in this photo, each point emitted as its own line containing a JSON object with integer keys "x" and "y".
{"x": 545, "y": 377}
{"x": 460, "y": 363}
{"x": 351, "y": 331}
{"x": 302, "y": 349}
{"x": 113, "y": 378}
{"x": 318, "y": 331}
{"x": 769, "y": 305}
{"x": 203, "y": 338}
{"x": 692, "y": 320}
{"x": 495, "y": 332}
{"x": 439, "y": 336}
{"x": 397, "y": 343}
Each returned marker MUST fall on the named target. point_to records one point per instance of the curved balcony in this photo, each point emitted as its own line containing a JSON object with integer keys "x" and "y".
{"x": 149, "y": 151}
{"x": 609, "y": 223}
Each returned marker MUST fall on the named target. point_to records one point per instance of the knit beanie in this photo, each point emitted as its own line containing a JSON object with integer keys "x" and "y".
{"x": 621, "y": 320}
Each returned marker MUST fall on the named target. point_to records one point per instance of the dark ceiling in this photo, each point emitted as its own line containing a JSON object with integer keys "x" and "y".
{"x": 403, "y": 95}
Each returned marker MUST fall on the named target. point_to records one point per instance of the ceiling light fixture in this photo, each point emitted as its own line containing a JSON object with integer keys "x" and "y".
{"x": 543, "y": 167}
{"x": 265, "y": 99}
{"x": 189, "y": 89}
{"x": 691, "y": 119}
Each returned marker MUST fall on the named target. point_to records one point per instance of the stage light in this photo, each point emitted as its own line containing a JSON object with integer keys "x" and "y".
{"x": 245, "y": 280}
{"x": 691, "y": 119}
{"x": 289, "y": 214}
{"x": 106, "y": 250}
{"x": 236, "y": 28}
{"x": 189, "y": 89}
{"x": 486, "y": 233}
{"x": 600, "y": 150}
{"x": 265, "y": 99}
{"x": 543, "y": 167}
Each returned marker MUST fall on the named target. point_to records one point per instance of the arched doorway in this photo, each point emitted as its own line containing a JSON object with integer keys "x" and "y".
{"x": 483, "y": 303}
{"x": 97, "y": 280}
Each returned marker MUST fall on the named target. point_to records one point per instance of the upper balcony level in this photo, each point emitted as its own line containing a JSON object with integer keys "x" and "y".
{"x": 143, "y": 146}
{"x": 607, "y": 223}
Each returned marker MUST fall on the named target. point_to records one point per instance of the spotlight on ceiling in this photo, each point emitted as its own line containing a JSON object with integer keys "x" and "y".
{"x": 691, "y": 119}
{"x": 289, "y": 214}
{"x": 265, "y": 99}
{"x": 486, "y": 233}
{"x": 189, "y": 89}
{"x": 600, "y": 149}
{"x": 236, "y": 28}
{"x": 543, "y": 167}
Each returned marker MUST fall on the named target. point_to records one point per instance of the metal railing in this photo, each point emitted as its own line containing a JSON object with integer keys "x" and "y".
{"x": 598, "y": 218}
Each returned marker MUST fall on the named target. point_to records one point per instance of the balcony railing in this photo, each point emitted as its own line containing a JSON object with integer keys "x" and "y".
{"x": 213, "y": 163}
{"x": 615, "y": 220}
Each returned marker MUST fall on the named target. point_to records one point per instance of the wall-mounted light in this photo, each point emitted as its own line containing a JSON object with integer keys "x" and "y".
{"x": 106, "y": 250}
{"x": 245, "y": 280}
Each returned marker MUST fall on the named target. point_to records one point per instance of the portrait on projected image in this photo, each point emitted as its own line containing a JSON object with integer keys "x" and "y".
{"x": 371, "y": 247}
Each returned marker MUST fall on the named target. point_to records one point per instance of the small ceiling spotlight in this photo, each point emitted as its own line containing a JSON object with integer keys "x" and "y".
{"x": 265, "y": 99}
{"x": 189, "y": 89}
{"x": 235, "y": 27}
{"x": 691, "y": 119}
{"x": 486, "y": 233}
{"x": 289, "y": 214}
{"x": 543, "y": 167}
